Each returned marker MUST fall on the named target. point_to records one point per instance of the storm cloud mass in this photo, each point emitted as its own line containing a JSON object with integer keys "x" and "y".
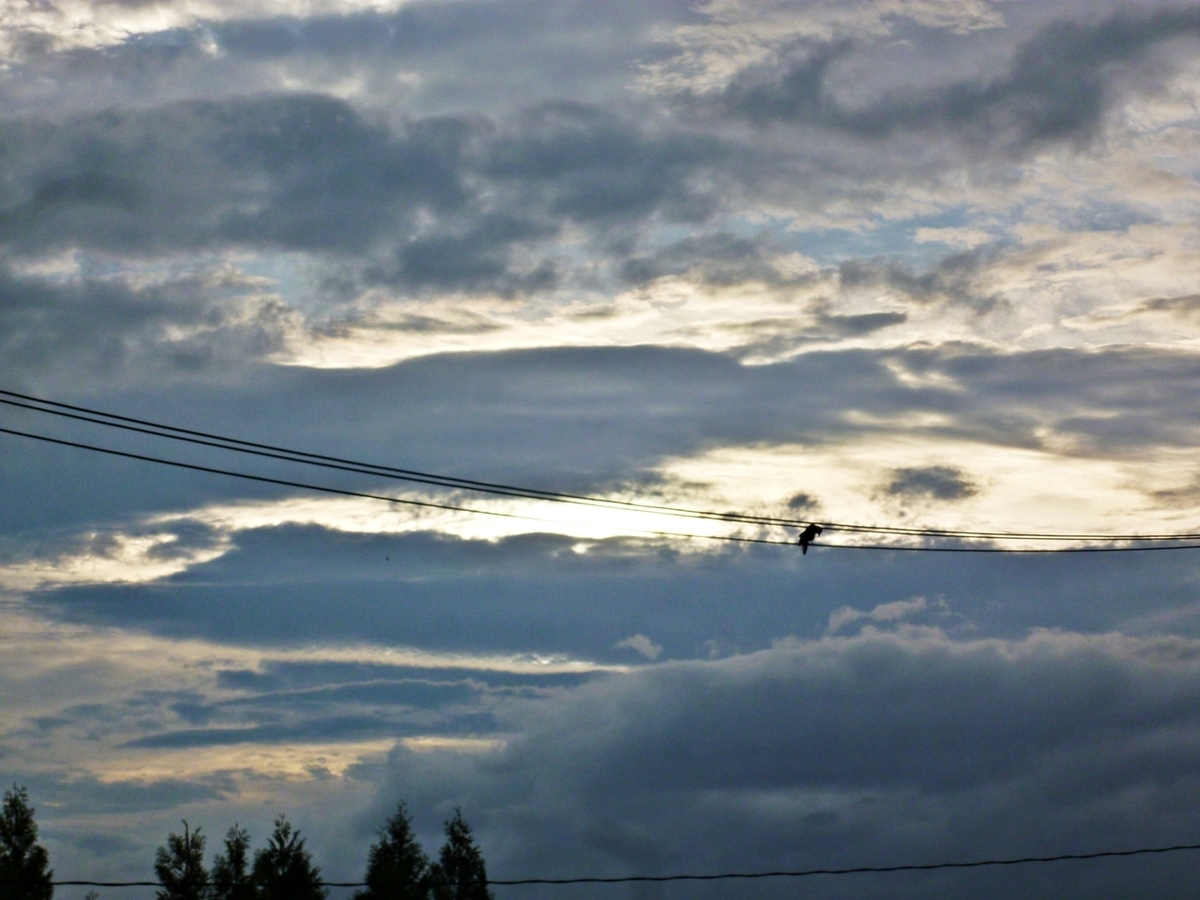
{"x": 923, "y": 264}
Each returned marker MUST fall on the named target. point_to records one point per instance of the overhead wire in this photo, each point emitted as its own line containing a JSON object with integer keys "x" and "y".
{"x": 739, "y": 539}
{"x": 196, "y": 467}
{"x": 856, "y": 870}
{"x": 237, "y": 445}
{"x": 729, "y": 876}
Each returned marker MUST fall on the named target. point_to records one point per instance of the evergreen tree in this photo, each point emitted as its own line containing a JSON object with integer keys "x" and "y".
{"x": 23, "y": 861}
{"x": 180, "y": 866}
{"x": 231, "y": 870}
{"x": 397, "y": 868}
{"x": 283, "y": 869}
{"x": 459, "y": 873}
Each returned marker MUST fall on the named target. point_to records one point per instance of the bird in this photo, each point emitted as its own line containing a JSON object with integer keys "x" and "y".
{"x": 807, "y": 536}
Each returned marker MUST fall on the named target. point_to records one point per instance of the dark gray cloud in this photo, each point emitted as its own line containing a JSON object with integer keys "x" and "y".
{"x": 342, "y": 707}
{"x": 586, "y": 164}
{"x": 518, "y": 53}
{"x": 823, "y": 326}
{"x": 128, "y": 795}
{"x": 103, "y": 844}
{"x": 444, "y": 202}
{"x": 183, "y": 326}
{"x": 1058, "y": 87}
{"x": 803, "y": 503}
{"x": 474, "y": 201}
{"x": 1185, "y": 306}
{"x": 296, "y": 171}
{"x": 717, "y": 258}
{"x": 477, "y": 258}
{"x": 930, "y": 482}
{"x": 287, "y": 586}
{"x": 960, "y": 278}
{"x": 338, "y": 728}
{"x": 812, "y": 754}
{"x": 277, "y": 676}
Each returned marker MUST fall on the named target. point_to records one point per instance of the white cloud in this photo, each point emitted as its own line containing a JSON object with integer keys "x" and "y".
{"x": 112, "y": 558}
{"x": 884, "y": 612}
{"x": 966, "y": 238}
{"x": 641, "y": 644}
{"x": 68, "y": 24}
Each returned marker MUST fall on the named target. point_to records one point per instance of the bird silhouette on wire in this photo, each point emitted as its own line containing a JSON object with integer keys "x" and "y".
{"x": 807, "y": 536}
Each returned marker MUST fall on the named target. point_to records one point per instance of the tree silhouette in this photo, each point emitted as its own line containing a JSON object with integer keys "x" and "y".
{"x": 231, "y": 870}
{"x": 23, "y": 861}
{"x": 397, "y": 868}
{"x": 283, "y": 869}
{"x": 180, "y": 866}
{"x": 459, "y": 873}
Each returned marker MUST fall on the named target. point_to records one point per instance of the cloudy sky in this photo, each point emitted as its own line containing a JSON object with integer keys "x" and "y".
{"x": 914, "y": 263}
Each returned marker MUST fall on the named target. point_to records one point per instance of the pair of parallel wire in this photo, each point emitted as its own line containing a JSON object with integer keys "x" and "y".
{"x": 964, "y": 541}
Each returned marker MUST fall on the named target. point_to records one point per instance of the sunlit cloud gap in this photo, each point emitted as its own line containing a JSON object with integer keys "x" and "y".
{"x": 734, "y": 538}
{"x": 237, "y": 445}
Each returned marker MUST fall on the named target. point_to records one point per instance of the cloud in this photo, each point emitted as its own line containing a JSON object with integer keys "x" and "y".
{"x": 299, "y": 171}
{"x": 397, "y": 59}
{"x": 930, "y": 483}
{"x": 641, "y": 645}
{"x": 478, "y": 258}
{"x": 337, "y": 727}
{"x": 803, "y": 503}
{"x": 77, "y": 23}
{"x": 966, "y": 238}
{"x": 443, "y": 202}
{"x": 733, "y": 36}
{"x": 1184, "y": 307}
{"x": 1058, "y": 87}
{"x": 884, "y": 612}
{"x": 962, "y": 278}
{"x": 586, "y": 164}
{"x": 134, "y": 795}
{"x": 717, "y": 258}
{"x": 211, "y": 321}
{"x": 810, "y": 753}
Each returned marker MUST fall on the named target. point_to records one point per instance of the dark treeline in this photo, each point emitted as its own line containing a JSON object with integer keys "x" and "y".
{"x": 397, "y": 867}
{"x": 25, "y": 872}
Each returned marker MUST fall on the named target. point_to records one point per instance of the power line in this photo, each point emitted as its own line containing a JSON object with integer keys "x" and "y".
{"x": 237, "y": 445}
{"x": 195, "y": 467}
{"x": 729, "y": 876}
{"x": 261, "y": 478}
{"x": 857, "y": 870}
{"x": 300, "y": 457}
{"x": 739, "y": 539}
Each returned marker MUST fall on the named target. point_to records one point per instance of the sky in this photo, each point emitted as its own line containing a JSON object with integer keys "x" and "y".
{"x": 922, "y": 264}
